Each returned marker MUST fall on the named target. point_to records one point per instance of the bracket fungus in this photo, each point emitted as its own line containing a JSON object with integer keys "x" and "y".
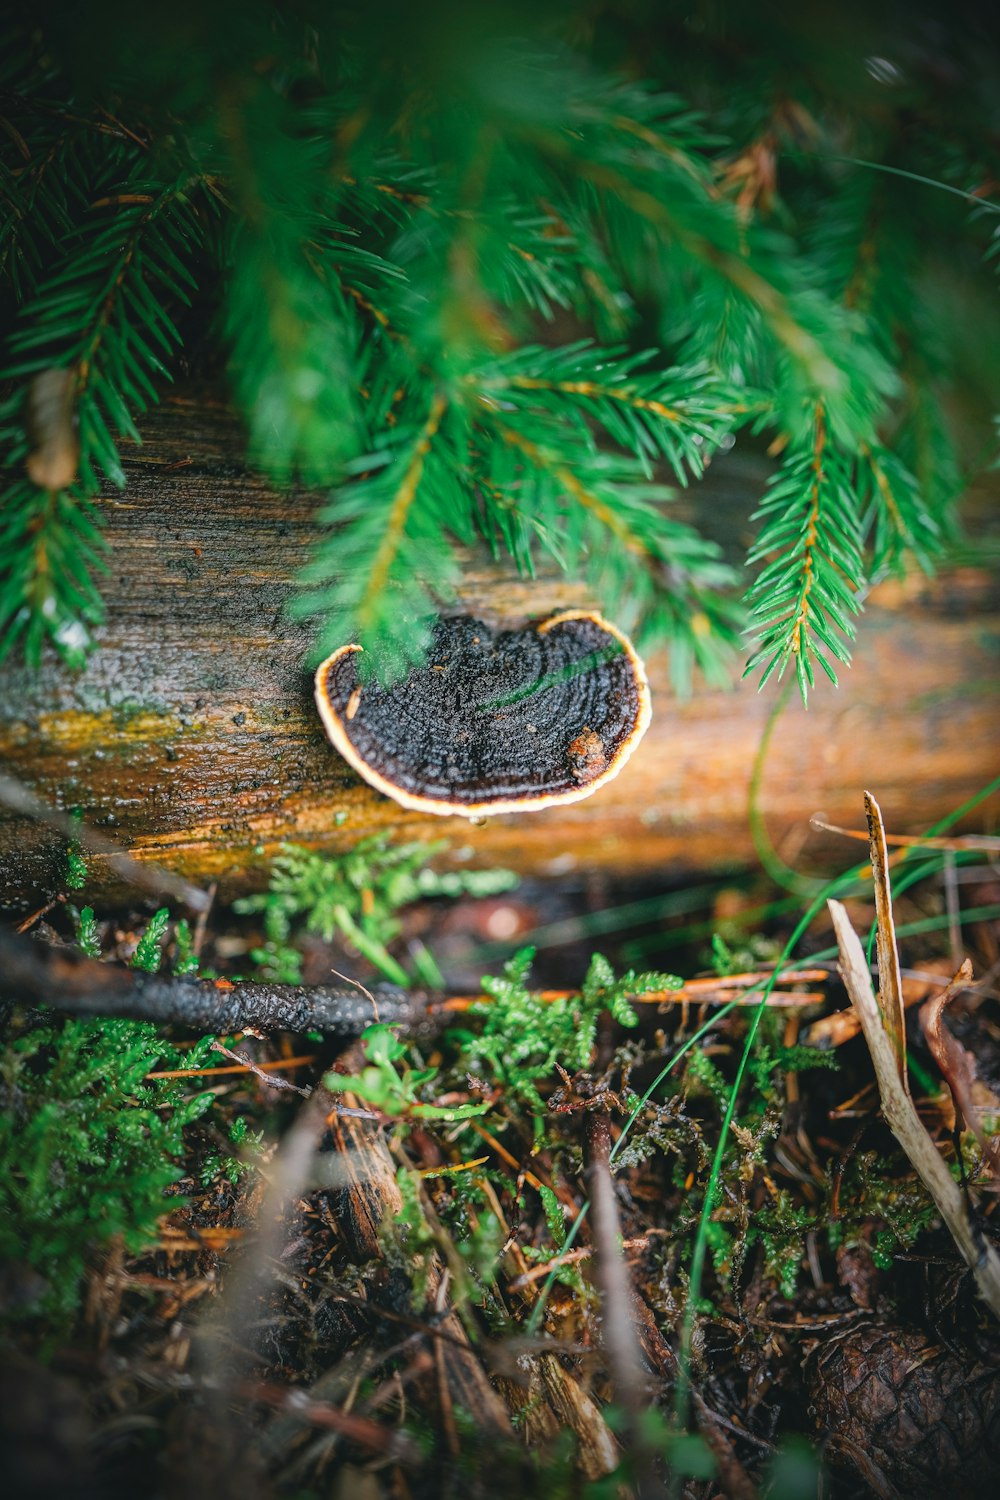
{"x": 495, "y": 720}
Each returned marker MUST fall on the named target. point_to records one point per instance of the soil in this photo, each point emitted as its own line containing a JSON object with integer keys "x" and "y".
{"x": 319, "y": 1328}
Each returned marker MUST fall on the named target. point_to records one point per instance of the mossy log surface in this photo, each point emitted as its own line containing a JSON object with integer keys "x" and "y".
{"x": 192, "y": 737}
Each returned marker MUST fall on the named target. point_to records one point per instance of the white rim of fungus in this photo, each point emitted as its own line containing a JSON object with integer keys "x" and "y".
{"x": 334, "y": 726}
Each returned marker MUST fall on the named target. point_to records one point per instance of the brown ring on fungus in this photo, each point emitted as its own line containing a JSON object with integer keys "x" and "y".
{"x": 495, "y": 720}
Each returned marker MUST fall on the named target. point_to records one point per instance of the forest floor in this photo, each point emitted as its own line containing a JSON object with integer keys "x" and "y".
{"x": 589, "y": 1234}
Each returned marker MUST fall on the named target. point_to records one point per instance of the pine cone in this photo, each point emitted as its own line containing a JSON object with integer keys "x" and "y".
{"x": 904, "y": 1413}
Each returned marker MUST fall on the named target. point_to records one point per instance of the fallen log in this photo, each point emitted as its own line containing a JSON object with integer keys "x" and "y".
{"x": 191, "y": 736}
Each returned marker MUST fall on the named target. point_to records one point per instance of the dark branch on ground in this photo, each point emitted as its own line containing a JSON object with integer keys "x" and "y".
{"x": 34, "y": 973}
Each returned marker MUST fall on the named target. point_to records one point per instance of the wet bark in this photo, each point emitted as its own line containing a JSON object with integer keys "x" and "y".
{"x": 192, "y": 738}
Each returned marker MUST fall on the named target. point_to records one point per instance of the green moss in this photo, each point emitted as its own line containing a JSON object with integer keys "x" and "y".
{"x": 148, "y": 954}
{"x": 898, "y": 1209}
{"x": 524, "y": 1036}
{"x": 89, "y": 1146}
{"x": 249, "y": 1144}
{"x": 355, "y": 895}
{"x": 88, "y": 937}
{"x": 392, "y": 1091}
{"x": 185, "y": 961}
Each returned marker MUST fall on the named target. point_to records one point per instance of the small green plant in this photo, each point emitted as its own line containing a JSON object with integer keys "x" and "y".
{"x": 899, "y": 1209}
{"x": 356, "y": 895}
{"x": 524, "y": 1036}
{"x": 781, "y": 1227}
{"x": 733, "y": 952}
{"x": 185, "y": 960}
{"x": 76, "y": 865}
{"x": 148, "y": 954}
{"x": 88, "y": 936}
{"x": 686, "y": 1453}
{"x": 249, "y": 1144}
{"x": 388, "y": 1089}
{"x": 88, "y": 1146}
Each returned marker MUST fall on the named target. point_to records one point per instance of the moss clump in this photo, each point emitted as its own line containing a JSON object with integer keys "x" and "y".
{"x": 89, "y": 1147}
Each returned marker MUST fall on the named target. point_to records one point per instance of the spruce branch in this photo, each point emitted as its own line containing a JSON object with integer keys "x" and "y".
{"x": 36, "y": 211}
{"x": 51, "y": 550}
{"x": 598, "y": 515}
{"x": 897, "y": 519}
{"x": 511, "y": 451}
{"x": 100, "y": 318}
{"x": 387, "y": 562}
{"x": 804, "y": 597}
{"x": 709, "y": 236}
{"x": 655, "y": 413}
{"x": 293, "y": 363}
{"x": 384, "y": 247}
{"x": 396, "y": 521}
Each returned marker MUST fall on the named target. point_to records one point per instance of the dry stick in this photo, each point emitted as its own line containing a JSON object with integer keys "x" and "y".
{"x": 248, "y": 1065}
{"x": 148, "y": 877}
{"x": 359, "y": 1429}
{"x": 713, "y": 989}
{"x": 903, "y": 1120}
{"x": 282, "y": 1062}
{"x": 908, "y": 840}
{"x": 621, "y": 1338}
{"x": 224, "y": 1340}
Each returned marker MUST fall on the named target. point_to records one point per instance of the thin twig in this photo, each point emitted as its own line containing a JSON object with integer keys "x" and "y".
{"x": 36, "y": 916}
{"x": 712, "y": 989}
{"x": 621, "y": 1338}
{"x": 200, "y": 926}
{"x": 568, "y": 1258}
{"x": 283, "y": 1062}
{"x": 357, "y": 1428}
{"x": 909, "y": 841}
{"x": 273, "y": 1081}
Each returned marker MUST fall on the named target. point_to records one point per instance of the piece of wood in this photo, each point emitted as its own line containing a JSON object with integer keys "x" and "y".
{"x": 192, "y": 737}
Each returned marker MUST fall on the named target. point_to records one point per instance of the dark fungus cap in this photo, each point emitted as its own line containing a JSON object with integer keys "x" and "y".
{"x": 495, "y": 720}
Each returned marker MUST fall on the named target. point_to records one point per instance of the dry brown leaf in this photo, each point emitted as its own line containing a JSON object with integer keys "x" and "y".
{"x": 958, "y": 1065}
